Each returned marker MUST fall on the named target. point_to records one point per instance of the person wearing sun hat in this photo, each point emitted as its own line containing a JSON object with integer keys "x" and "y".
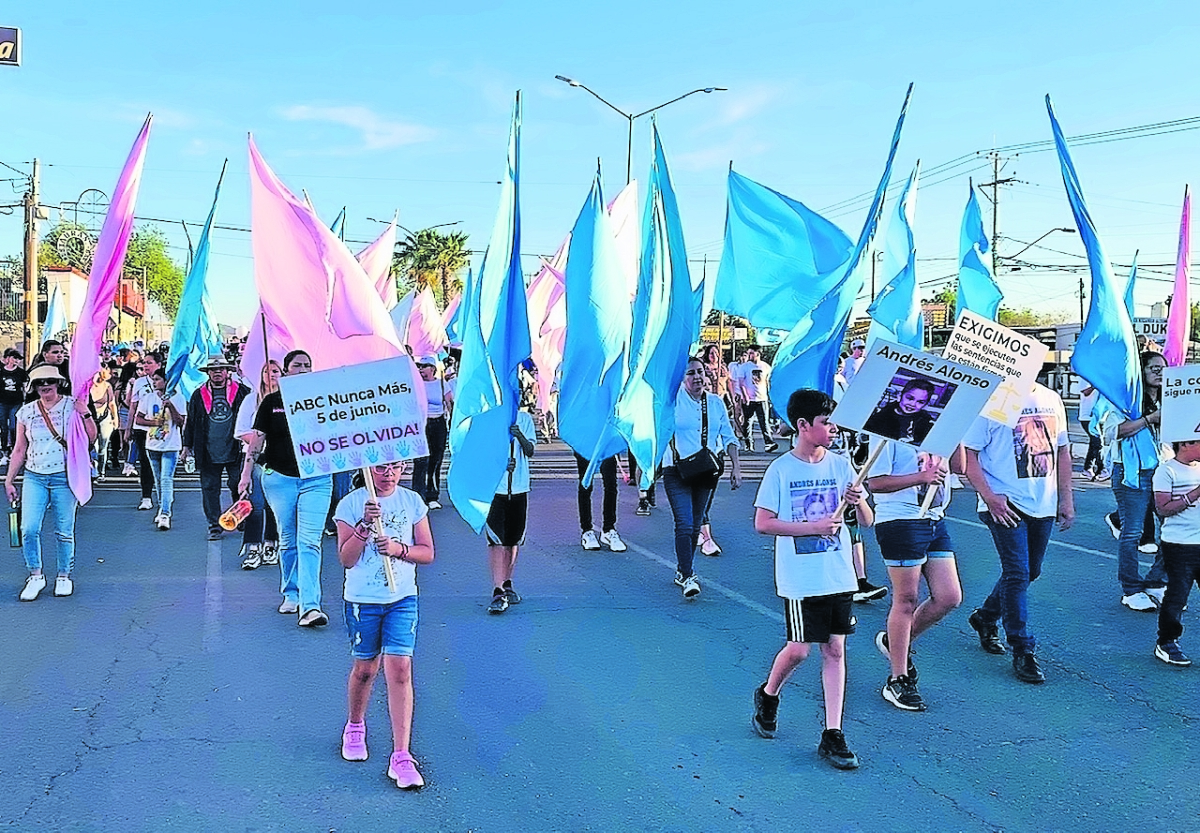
{"x": 427, "y": 471}
{"x": 41, "y": 449}
{"x": 208, "y": 435}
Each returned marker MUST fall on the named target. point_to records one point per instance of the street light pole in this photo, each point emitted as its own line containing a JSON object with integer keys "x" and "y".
{"x": 632, "y": 117}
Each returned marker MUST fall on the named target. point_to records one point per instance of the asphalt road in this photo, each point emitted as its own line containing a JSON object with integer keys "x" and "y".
{"x": 168, "y": 694}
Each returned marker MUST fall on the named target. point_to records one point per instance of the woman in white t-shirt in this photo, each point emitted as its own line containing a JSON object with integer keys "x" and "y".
{"x": 160, "y": 418}
{"x": 41, "y": 449}
{"x": 382, "y": 621}
{"x": 1176, "y": 493}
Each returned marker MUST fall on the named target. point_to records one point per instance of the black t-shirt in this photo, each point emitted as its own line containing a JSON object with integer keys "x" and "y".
{"x": 271, "y": 420}
{"x": 12, "y": 385}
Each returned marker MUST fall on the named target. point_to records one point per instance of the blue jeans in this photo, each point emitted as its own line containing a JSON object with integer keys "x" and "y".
{"x": 1022, "y": 550}
{"x": 162, "y": 463}
{"x": 299, "y": 504}
{"x": 1132, "y": 506}
{"x": 260, "y": 523}
{"x": 688, "y": 504}
{"x": 40, "y": 492}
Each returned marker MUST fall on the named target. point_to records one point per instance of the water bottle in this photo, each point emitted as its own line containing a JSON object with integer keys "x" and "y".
{"x": 234, "y": 515}
{"x": 14, "y": 524}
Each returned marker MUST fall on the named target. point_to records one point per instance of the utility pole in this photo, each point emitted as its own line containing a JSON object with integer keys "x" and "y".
{"x": 32, "y": 198}
{"x": 995, "y": 186}
{"x": 1081, "y": 300}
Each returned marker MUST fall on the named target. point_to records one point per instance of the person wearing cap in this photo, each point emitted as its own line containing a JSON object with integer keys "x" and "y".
{"x": 427, "y": 471}
{"x": 208, "y": 436}
{"x": 41, "y": 449}
{"x": 854, "y": 360}
{"x": 12, "y": 395}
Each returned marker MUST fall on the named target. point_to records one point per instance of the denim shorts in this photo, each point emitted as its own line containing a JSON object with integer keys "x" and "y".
{"x": 376, "y": 629}
{"x": 909, "y": 542}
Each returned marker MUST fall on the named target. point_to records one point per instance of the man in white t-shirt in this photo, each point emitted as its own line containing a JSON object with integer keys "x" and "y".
{"x": 754, "y": 377}
{"x": 1023, "y": 477}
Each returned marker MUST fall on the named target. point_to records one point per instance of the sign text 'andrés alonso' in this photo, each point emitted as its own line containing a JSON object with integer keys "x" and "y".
{"x": 350, "y": 417}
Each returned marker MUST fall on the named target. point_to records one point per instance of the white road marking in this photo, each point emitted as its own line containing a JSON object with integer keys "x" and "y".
{"x": 213, "y": 598}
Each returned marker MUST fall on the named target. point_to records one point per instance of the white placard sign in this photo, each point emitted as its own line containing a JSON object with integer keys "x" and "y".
{"x": 1151, "y": 328}
{"x": 913, "y": 397}
{"x": 350, "y": 417}
{"x": 983, "y": 344}
{"x": 1180, "y": 404}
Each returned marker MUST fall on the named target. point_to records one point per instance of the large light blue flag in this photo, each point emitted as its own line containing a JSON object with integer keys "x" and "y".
{"x": 453, "y": 325}
{"x": 897, "y": 307}
{"x": 977, "y": 289}
{"x": 1106, "y": 351}
{"x": 495, "y": 330}
{"x": 1130, "y": 285}
{"x": 779, "y": 257}
{"x": 195, "y": 335}
{"x": 808, "y": 357}
{"x": 599, "y": 319}
{"x": 56, "y": 316}
{"x": 663, "y": 323}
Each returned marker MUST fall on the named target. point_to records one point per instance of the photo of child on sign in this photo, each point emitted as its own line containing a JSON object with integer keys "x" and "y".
{"x": 909, "y": 407}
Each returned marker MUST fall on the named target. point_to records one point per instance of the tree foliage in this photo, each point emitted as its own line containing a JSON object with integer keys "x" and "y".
{"x": 434, "y": 259}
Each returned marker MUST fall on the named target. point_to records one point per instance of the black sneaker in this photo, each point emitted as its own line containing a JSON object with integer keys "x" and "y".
{"x": 902, "y": 693}
{"x": 499, "y": 603}
{"x": 989, "y": 634}
{"x": 1113, "y": 521}
{"x": 771, "y": 446}
{"x": 1170, "y": 654}
{"x": 766, "y": 712}
{"x": 868, "y": 592}
{"x": 833, "y": 749}
{"x": 512, "y": 596}
{"x": 1026, "y": 667}
{"x": 881, "y": 642}
{"x": 643, "y": 507}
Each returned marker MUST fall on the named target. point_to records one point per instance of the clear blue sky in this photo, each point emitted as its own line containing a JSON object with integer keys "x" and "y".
{"x": 383, "y": 108}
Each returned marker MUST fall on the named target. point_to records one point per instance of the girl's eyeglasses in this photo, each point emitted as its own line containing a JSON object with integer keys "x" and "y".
{"x": 387, "y": 467}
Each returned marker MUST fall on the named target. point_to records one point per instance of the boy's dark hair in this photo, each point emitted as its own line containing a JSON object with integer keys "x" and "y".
{"x": 919, "y": 384}
{"x": 808, "y": 404}
{"x": 159, "y": 374}
{"x": 1180, "y": 444}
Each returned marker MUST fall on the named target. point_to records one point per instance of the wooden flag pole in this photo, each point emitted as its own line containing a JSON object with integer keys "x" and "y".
{"x": 387, "y": 561}
{"x": 861, "y": 476}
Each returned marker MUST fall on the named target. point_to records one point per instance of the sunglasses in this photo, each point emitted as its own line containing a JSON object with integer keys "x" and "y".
{"x": 45, "y": 383}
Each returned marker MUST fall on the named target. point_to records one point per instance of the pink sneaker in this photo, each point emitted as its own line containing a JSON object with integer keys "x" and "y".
{"x": 354, "y": 742}
{"x": 403, "y": 770}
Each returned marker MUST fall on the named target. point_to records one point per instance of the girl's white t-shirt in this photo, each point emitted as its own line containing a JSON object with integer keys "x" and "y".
{"x": 164, "y": 435}
{"x": 366, "y": 581}
{"x": 1176, "y": 478}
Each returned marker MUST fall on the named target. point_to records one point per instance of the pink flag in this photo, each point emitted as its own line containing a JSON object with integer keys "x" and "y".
{"x": 302, "y": 270}
{"x": 426, "y": 331}
{"x": 547, "y": 307}
{"x": 107, "y": 265}
{"x": 376, "y": 260}
{"x": 264, "y": 338}
{"x": 1179, "y": 319}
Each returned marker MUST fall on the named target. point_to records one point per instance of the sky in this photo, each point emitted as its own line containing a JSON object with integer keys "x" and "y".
{"x": 391, "y": 108}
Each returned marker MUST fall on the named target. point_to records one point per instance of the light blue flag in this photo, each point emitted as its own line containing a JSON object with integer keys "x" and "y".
{"x": 56, "y": 316}
{"x": 195, "y": 335}
{"x": 663, "y": 322}
{"x": 977, "y": 289}
{"x": 897, "y": 307}
{"x": 452, "y": 326}
{"x": 1106, "y": 351}
{"x": 779, "y": 257}
{"x": 338, "y": 226}
{"x": 808, "y": 357}
{"x": 599, "y": 319}
{"x": 1129, "y": 287}
{"x": 495, "y": 330}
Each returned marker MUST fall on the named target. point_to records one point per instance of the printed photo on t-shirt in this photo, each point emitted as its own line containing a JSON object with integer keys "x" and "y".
{"x": 1034, "y": 445}
{"x": 810, "y": 504}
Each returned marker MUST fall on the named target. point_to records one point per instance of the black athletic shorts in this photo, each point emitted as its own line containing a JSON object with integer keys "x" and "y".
{"x": 506, "y": 520}
{"x": 816, "y": 618}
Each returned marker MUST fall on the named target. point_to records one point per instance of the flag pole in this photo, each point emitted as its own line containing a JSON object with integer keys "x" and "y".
{"x": 860, "y": 477}
{"x": 378, "y": 527}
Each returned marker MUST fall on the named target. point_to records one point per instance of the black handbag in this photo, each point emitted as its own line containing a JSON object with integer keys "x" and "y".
{"x": 703, "y": 467}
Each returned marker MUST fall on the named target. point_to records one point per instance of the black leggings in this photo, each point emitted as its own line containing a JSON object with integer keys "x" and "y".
{"x": 145, "y": 473}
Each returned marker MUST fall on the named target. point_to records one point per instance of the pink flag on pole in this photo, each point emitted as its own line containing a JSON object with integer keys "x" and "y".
{"x": 376, "y": 260}
{"x": 547, "y": 307}
{"x": 107, "y": 265}
{"x": 426, "y": 330}
{"x": 301, "y": 267}
{"x": 1179, "y": 319}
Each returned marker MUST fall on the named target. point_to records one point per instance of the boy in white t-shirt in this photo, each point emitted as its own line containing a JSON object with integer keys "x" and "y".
{"x": 159, "y": 418}
{"x": 1023, "y": 477}
{"x": 798, "y": 503}
{"x": 505, "y": 526}
{"x": 382, "y": 622}
{"x": 1176, "y": 492}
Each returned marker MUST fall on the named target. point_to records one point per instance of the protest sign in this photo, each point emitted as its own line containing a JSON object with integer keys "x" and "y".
{"x": 1180, "y": 404}
{"x": 361, "y": 415}
{"x": 985, "y": 345}
{"x": 912, "y": 397}
{"x": 1154, "y": 329}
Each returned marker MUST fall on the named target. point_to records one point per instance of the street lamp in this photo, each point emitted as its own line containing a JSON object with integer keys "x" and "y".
{"x": 631, "y": 117}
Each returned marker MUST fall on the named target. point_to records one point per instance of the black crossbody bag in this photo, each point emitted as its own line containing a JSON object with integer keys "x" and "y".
{"x": 703, "y": 467}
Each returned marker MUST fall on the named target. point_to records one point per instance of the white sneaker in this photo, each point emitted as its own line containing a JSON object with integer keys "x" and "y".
{"x": 289, "y": 607}
{"x": 433, "y": 504}
{"x": 1140, "y": 602}
{"x": 589, "y": 541}
{"x": 709, "y": 547}
{"x": 690, "y": 585}
{"x": 146, "y": 504}
{"x": 1149, "y": 548}
{"x": 612, "y": 540}
{"x": 128, "y": 471}
{"x": 1156, "y": 595}
{"x": 33, "y": 586}
{"x": 163, "y": 522}
{"x": 63, "y": 586}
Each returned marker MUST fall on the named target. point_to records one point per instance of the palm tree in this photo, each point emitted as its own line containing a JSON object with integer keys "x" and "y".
{"x": 434, "y": 259}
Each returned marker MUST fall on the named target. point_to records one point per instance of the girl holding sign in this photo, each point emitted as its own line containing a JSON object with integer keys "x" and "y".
{"x": 392, "y": 523}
